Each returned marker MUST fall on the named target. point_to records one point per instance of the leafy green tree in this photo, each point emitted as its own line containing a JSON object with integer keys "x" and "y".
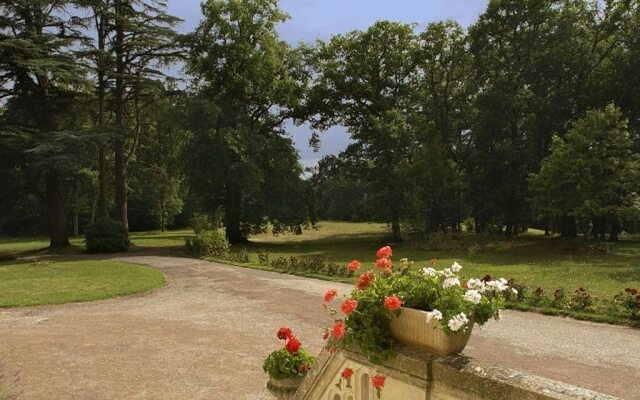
{"x": 592, "y": 173}
{"x": 41, "y": 81}
{"x": 248, "y": 82}
{"x": 365, "y": 80}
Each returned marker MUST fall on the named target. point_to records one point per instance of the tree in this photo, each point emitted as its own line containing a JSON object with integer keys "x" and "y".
{"x": 40, "y": 80}
{"x": 143, "y": 41}
{"x": 366, "y": 82}
{"x": 249, "y": 82}
{"x": 592, "y": 173}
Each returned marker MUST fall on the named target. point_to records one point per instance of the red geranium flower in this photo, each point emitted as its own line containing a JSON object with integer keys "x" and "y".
{"x": 330, "y": 295}
{"x": 392, "y": 303}
{"x": 338, "y": 330}
{"x": 383, "y": 263}
{"x": 354, "y": 265}
{"x": 365, "y": 280}
{"x": 378, "y": 381}
{"x": 347, "y": 373}
{"x": 384, "y": 252}
{"x": 325, "y": 335}
{"x": 349, "y": 306}
{"x": 284, "y": 333}
{"x": 293, "y": 345}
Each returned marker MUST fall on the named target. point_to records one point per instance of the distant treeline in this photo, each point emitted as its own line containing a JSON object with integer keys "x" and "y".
{"x": 528, "y": 118}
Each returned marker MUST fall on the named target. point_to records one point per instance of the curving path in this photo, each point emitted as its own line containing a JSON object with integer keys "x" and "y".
{"x": 205, "y": 334}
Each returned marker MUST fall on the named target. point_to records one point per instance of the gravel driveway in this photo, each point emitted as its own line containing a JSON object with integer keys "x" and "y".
{"x": 205, "y": 334}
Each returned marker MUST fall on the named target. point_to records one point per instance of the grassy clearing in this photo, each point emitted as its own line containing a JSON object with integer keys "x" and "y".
{"x": 29, "y": 283}
{"x": 138, "y": 239}
{"x": 533, "y": 259}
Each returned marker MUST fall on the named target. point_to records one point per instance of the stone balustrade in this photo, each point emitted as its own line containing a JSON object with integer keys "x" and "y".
{"x": 416, "y": 375}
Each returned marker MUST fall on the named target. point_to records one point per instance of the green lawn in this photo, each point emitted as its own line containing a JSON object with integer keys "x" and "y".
{"x": 531, "y": 258}
{"x": 29, "y": 283}
{"x": 143, "y": 239}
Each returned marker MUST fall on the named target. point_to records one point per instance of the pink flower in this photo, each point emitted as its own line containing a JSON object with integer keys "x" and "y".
{"x": 384, "y": 252}
{"x": 354, "y": 265}
{"x": 330, "y": 295}
{"x": 349, "y": 306}
{"x": 392, "y": 303}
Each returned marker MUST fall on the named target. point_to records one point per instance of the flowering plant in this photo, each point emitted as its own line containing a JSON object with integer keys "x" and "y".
{"x": 455, "y": 303}
{"x": 291, "y": 361}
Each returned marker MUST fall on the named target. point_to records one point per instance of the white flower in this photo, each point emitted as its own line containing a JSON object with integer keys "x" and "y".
{"x": 473, "y": 296}
{"x": 499, "y": 285}
{"x": 429, "y": 271}
{"x": 514, "y": 291}
{"x": 458, "y": 322}
{"x": 450, "y": 282}
{"x": 476, "y": 284}
{"x": 446, "y": 272}
{"x": 456, "y": 267}
{"x": 435, "y": 315}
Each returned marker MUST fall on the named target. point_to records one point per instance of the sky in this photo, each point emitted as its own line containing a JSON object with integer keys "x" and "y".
{"x": 320, "y": 19}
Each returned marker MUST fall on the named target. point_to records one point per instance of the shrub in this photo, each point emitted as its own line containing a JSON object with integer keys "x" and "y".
{"x": 201, "y": 222}
{"x": 106, "y": 236}
{"x": 581, "y": 299}
{"x": 263, "y": 257}
{"x": 630, "y": 301}
{"x": 315, "y": 264}
{"x": 208, "y": 243}
{"x": 517, "y": 291}
{"x": 241, "y": 256}
{"x": 559, "y": 298}
{"x": 538, "y": 297}
{"x": 290, "y": 361}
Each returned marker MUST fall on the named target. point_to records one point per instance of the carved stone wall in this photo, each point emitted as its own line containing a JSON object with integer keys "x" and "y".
{"x": 413, "y": 374}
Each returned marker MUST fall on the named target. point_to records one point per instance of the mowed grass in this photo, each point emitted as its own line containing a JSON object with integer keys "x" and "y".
{"x": 29, "y": 283}
{"x": 532, "y": 259}
{"x": 138, "y": 239}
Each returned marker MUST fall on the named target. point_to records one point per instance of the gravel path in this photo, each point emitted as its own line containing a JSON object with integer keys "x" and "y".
{"x": 205, "y": 334}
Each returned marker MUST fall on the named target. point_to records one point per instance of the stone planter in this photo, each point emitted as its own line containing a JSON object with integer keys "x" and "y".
{"x": 411, "y": 328}
{"x": 284, "y": 389}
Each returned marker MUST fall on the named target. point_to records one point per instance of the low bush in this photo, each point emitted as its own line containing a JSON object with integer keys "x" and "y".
{"x": 629, "y": 301}
{"x": 315, "y": 264}
{"x": 581, "y": 299}
{"x": 200, "y": 222}
{"x": 106, "y": 236}
{"x": 241, "y": 256}
{"x": 208, "y": 243}
{"x": 263, "y": 257}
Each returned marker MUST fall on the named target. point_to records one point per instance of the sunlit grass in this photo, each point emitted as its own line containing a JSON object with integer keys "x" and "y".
{"x": 28, "y": 283}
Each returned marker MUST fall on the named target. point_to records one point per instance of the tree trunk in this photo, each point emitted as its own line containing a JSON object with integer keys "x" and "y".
{"x": 568, "y": 229}
{"x": 162, "y": 219}
{"x": 232, "y": 212}
{"x": 76, "y": 210}
{"x": 615, "y": 229}
{"x": 102, "y": 203}
{"x": 119, "y": 102}
{"x": 55, "y": 207}
{"x": 395, "y": 226}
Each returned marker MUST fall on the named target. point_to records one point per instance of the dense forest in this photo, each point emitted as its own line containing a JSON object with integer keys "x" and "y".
{"x": 530, "y": 117}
